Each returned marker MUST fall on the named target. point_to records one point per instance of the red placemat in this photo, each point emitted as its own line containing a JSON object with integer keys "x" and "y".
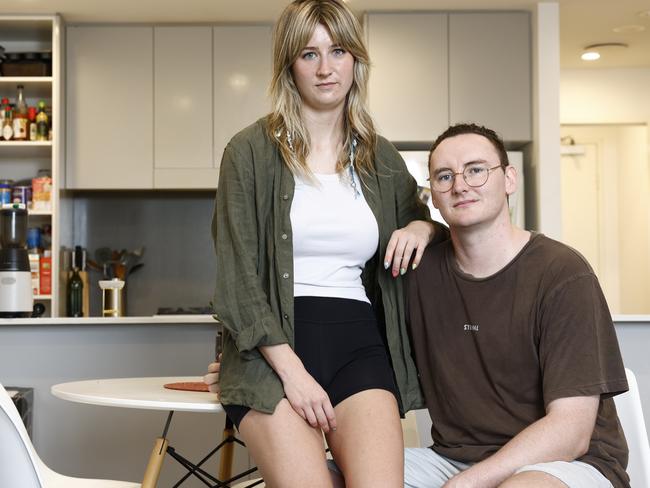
{"x": 187, "y": 386}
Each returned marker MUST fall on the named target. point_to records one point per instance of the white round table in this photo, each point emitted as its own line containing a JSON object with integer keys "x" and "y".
{"x": 144, "y": 393}
{"x": 150, "y": 394}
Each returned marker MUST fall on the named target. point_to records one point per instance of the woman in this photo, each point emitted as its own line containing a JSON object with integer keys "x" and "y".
{"x": 306, "y": 213}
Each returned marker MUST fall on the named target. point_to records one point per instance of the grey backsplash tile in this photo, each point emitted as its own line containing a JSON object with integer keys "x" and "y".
{"x": 174, "y": 227}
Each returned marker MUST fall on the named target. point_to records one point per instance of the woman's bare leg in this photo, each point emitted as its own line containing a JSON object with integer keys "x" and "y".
{"x": 287, "y": 450}
{"x": 368, "y": 446}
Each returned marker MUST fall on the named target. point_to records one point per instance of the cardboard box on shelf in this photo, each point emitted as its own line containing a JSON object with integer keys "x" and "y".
{"x": 42, "y": 194}
{"x": 46, "y": 273}
{"x": 34, "y": 266}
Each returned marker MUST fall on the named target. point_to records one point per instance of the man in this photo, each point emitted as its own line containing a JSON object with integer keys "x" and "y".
{"x": 513, "y": 340}
{"x": 514, "y": 343}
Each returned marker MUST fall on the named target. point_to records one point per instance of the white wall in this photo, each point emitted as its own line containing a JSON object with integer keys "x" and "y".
{"x": 605, "y": 96}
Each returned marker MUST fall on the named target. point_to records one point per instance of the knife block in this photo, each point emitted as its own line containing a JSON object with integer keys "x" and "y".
{"x": 85, "y": 296}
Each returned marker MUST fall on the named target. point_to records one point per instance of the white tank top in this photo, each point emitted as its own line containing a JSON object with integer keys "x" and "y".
{"x": 334, "y": 234}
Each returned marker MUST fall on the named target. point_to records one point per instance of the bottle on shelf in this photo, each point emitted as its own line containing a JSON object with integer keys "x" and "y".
{"x": 42, "y": 123}
{"x": 7, "y": 126}
{"x": 20, "y": 116}
{"x": 31, "y": 118}
{"x": 3, "y": 103}
{"x": 75, "y": 294}
{"x": 79, "y": 261}
{"x": 46, "y": 236}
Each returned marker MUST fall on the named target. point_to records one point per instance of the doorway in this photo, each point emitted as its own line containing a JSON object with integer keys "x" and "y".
{"x": 606, "y": 208}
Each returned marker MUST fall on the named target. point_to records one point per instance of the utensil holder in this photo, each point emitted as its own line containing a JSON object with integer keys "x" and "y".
{"x": 112, "y": 303}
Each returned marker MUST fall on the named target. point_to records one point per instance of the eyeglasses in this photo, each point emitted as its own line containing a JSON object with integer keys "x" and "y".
{"x": 475, "y": 175}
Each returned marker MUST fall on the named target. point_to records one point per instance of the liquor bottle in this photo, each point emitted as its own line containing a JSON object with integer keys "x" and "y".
{"x": 31, "y": 130}
{"x": 20, "y": 117}
{"x": 75, "y": 294}
{"x": 7, "y": 128}
{"x": 42, "y": 123}
{"x": 3, "y": 103}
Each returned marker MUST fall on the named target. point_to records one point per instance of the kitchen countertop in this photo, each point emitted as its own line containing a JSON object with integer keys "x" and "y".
{"x": 631, "y": 319}
{"x": 152, "y": 319}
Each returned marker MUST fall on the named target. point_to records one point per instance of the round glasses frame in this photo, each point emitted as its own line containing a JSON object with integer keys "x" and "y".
{"x": 467, "y": 176}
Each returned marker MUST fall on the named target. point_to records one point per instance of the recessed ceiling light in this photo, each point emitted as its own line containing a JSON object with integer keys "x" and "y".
{"x": 626, "y": 29}
{"x": 590, "y": 56}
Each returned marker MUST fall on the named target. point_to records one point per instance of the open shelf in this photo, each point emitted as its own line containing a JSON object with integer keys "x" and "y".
{"x": 36, "y": 88}
{"x": 39, "y": 212}
{"x": 21, "y": 150}
{"x": 21, "y": 161}
{"x": 25, "y": 143}
{"x": 24, "y": 80}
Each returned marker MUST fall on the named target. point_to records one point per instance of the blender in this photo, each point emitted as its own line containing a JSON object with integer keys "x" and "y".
{"x": 16, "y": 298}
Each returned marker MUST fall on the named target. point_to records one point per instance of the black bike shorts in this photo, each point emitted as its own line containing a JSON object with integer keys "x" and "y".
{"x": 339, "y": 342}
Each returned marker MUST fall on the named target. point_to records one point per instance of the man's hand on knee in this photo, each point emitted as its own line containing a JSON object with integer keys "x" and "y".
{"x": 212, "y": 378}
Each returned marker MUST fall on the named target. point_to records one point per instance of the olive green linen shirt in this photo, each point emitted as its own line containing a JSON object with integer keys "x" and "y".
{"x": 254, "y": 264}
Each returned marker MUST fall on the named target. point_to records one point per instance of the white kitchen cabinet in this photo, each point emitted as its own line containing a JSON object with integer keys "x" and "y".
{"x": 182, "y": 98}
{"x": 490, "y": 71}
{"x": 182, "y": 91}
{"x": 408, "y": 90}
{"x": 109, "y": 136}
{"x": 242, "y": 73}
{"x": 432, "y": 69}
{"x": 231, "y": 76}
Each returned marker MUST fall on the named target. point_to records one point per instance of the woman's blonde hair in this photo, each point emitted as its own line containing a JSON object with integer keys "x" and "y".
{"x": 293, "y": 31}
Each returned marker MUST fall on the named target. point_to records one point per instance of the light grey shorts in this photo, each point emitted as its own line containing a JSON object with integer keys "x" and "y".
{"x": 424, "y": 468}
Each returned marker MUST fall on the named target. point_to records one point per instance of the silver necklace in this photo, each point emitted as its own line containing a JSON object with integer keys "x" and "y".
{"x": 353, "y": 182}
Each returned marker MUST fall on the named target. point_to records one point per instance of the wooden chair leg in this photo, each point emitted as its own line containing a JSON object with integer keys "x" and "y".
{"x": 154, "y": 465}
{"x": 227, "y": 452}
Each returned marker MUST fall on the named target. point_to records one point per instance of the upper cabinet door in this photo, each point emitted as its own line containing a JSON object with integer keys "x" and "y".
{"x": 408, "y": 92}
{"x": 109, "y": 136}
{"x": 490, "y": 71}
{"x": 183, "y": 97}
{"x": 242, "y": 73}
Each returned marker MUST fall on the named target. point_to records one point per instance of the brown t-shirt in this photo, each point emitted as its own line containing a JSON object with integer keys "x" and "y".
{"x": 493, "y": 352}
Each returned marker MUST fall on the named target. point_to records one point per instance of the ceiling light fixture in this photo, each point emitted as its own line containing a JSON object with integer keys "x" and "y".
{"x": 592, "y": 52}
{"x": 590, "y": 56}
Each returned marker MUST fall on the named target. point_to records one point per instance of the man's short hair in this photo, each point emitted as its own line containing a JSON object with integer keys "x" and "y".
{"x": 489, "y": 134}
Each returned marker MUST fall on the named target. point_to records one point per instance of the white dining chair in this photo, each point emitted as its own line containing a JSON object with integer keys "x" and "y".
{"x": 20, "y": 465}
{"x": 628, "y": 407}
